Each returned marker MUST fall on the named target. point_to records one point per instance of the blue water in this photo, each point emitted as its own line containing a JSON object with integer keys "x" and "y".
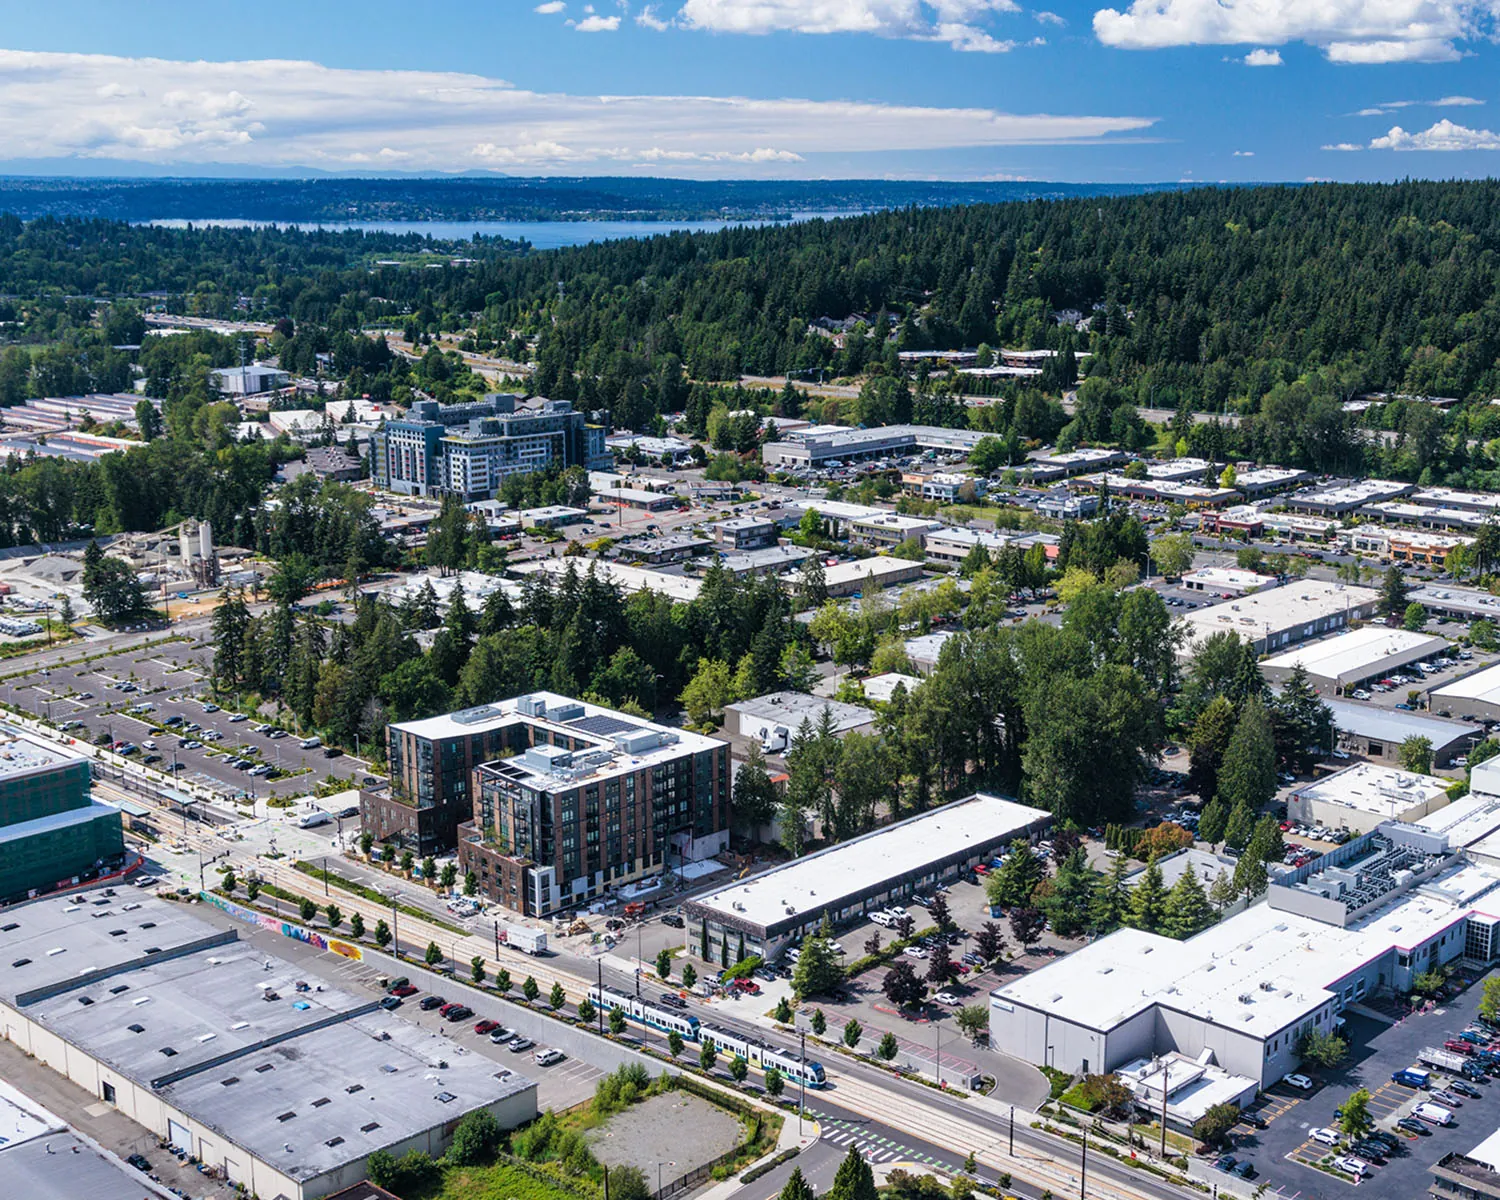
{"x": 544, "y": 235}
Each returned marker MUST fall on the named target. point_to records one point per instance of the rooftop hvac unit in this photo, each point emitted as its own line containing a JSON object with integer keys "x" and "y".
{"x": 566, "y": 712}
{"x": 532, "y": 706}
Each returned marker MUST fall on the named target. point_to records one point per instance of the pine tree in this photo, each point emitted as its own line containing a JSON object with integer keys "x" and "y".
{"x": 1148, "y": 900}
{"x": 854, "y": 1181}
{"x": 1207, "y": 744}
{"x": 795, "y": 1188}
{"x": 1222, "y": 894}
{"x": 1266, "y": 842}
{"x": 1017, "y": 878}
{"x": 1111, "y": 897}
{"x": 1187, "y": 908}
{"x": 1067, "y": 907}
{"x": 1241, "y": 826}
{"x": 1250, "y": 876}
{"x": 1213, "y": 821}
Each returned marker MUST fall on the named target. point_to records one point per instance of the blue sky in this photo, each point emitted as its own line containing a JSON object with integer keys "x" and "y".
{"x": 965, "y": 89}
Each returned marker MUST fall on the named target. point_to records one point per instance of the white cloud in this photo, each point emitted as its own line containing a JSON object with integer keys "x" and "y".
{"x": 1263, "y": 58}
{"x": 1344, "y": 146}
{"x": 1347, "y": 31}
{"x": 552, "y": 6}
{"x": 1049, "y": 18}
{"x": 1444, "y": 135}
{"x": 1455, "y": 102}
{"x": 647, "y": 17}
{"x": 1244, "y": 154}
{"x": 278, "y": 113}
{"x": 952, "y": 21}
{"x": 596, "y": 24}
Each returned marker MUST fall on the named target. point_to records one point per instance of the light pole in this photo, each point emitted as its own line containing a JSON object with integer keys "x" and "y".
{"x": 937, "y": 1062}
{"x": 802, "y": 1084}
{"x": 1083, "y": 1168}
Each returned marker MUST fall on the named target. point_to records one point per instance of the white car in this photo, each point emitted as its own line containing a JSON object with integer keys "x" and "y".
{"x": 948, "y": 998}
{"x": 1301, "y": 1082}
{"x": 914, "y": 952}
{"x": 1353, "y": 1166}
{"x": 545, "y": 1058}
{"x": 1329, "y": 1137}
{"x": 897, "y": 911}
{"x": 883, "y": 919}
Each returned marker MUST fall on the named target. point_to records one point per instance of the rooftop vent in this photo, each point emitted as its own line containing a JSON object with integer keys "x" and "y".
{"x": 136, "y": 1028}
{"x": 355, "y": 1087}
{"x": 334, "y": 1141}
{"x": 115, "y": 991}
{"x": 230, "y": 1082}
{"x": 285, "y": 1117}
{"x": 321, "y": 1101}
{"x": 169, "y": 1052}
{"x": 20, "y": 962}
{"x": 370, "y": 1128}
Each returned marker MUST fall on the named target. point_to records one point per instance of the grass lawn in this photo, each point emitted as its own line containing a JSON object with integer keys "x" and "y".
{"x": 500, "y": 1181}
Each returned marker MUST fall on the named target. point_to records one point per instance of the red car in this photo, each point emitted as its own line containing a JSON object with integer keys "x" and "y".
{"x": 403, "y": 990}
{"x": 1459, "y": 1046}
{"x": 486, "y": 1026}
{"x": 448, "y": 1008}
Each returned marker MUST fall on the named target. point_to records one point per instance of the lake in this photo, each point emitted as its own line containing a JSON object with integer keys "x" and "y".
{"x": 544, "y": 235}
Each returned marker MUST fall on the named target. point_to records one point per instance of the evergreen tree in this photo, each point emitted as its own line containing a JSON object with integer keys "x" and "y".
{"x": 795, "y": 1188}
{"x": 1248, "y": 775}
{"x": 855, "y": 1180}
{"x": 1017, "y": 877}
{"x": 1250, "y": 876}
{"x": 1241, "y": 826}
{"x": 1187, "y": 908}
{"x": 1148, "y": 900}
{"x": 1394, "y": 593}
{"x": 754, "y": 796}
{"x": 1266, "y": 842}
{"x": 1213, "y": 821}
{"x": 1207, "y": 744}
{"x": 1111, "y": 900}
{"x": 1222, "y": 893}
{"x": 1069, "y": 903}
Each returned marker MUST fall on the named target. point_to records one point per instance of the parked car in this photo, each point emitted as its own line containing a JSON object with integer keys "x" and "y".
{"x": 460, "y": 1012}
{"x": 520, "y": 1044}
{"x": 948, "y": 998}
{"x": 486, "y": 1026}
{"x": 498, "y": 1037}
{"x": 672, "y": 920}
{"x": 431, "y": 1002}
{"x": 1301, "y": 1082}
{"x": 1328, "y": 1137}
{"x": 1412, "y": 1125}
{"x": 390, "y": 1002}
{"x": 545, "y": 1058}
{"x": 404, "y": 989}
{"x": 914, "y": 952}
{"x": 1352, "y": 1166}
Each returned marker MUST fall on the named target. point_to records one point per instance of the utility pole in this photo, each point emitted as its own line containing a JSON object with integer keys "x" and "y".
{"x": 325, "y": 875}
{"x": 599, "y": 962}
{"x": 1012, "y": 1130}
{"x": 802, "y": 1083}
{"x": 1083, "y": 1168}
{"x": 1164, "y": 1069}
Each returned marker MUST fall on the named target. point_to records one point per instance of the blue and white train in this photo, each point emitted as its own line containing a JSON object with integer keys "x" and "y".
{"x": 759, "y": 1055}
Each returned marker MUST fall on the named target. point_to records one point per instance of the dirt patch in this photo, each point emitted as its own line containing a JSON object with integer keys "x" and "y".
{"x": 676, "y": 1130}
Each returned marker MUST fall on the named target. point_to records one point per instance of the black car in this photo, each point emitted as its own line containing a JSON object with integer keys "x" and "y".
{"x": 351, "y": 811}
{"x": 332, "y": 752}
{"x": 1374, "y": 1152}
{"x": 1389, "y": 1140}
{"x": 673, "y": 920}
{"x": 673, "y": 1000}
{"x": 1464, "y": 1089}
{"x": 1254, "y": 1120}
{"x": 369, "y": 781}
{"x": 462, "y": 1013}
{"x": 431, "y": 1002}
{"x": 140, "y": 1162}
{"x": 1412, "y": 1125}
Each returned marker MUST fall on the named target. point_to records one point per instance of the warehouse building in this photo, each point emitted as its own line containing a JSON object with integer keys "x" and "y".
{"x": 1467, "y": 604}
{"x": 773, "y": 909}
{"x": 1343, "y": 499}
{"x": 1365, "y": 795}
{"x": 1340, "y": 664}
{"x": 1045, "y": 468}
{"x": 1226, "y": 581}
{"x": 820, "y": 446}
{"x": 52, "y": 831}
{"x": 1376, "y": 733}
{"x": 209, "y": 1044}
{"x": 773, "y": 719}
{"x": 1282, "y": 616}
{"x": 571, "y": 800}
{"x": 863, "y": 575}
{"x": 1474, "y": 697}
{"x": 1362, "y": 919}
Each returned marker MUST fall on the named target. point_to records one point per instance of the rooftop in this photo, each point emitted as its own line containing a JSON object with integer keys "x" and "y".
{"x": 1256, "y": 972}
{"x": 879, "y": 688}
{"x": 1353, "y": 655}
{"x": 1229, "y": 577}
{"x": 878, "y": 568}
{"x": 22, "y": 754}
{"x": 304, "y": 1080}
{"x": 1370, "y": 787}
{"x": 1391, "y": 725}
{"x": 1279, "y": 609}
{"x": 1471, "y": 601}
{"x": 1483, "y": 684}
{"x": 66, "y": 819}
{"x": 622, "y": 575}
{"x": 1352, "y": 494}
{"x": 828, "y": 878}
{"x": 1472, "y": 818}
{"x": 792, "y": 708}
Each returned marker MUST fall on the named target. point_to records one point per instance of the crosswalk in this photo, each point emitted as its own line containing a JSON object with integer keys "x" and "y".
{"x": 873, "y": 1147}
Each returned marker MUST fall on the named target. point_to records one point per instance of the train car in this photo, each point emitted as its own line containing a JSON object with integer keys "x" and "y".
{"x": 642, "y": 1013}
{"x": 763, "y": 1057}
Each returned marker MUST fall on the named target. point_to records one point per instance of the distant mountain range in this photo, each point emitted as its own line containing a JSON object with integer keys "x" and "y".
{"x": 503, "y": 199}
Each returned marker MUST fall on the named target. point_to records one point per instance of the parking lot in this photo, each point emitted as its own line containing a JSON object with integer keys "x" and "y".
{"x": 1284, "y": 1154}
{"x": 130, "y": 696}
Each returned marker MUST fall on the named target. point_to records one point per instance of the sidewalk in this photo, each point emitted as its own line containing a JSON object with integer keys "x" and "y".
{"x": 789, "y": 1138}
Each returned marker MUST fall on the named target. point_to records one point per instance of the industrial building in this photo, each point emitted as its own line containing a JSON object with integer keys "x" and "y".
{"x": 1044, "y": 468}
{"x": 52, "y": 831}
{"x": 819, "y": 446}
{"x": 1261, "y": 481}
{"x": 206, "y": 1042}
{"x": 249, "y": 380}
{"x": 468, "y": 450}
{"x": 773, "y": 909}
{"x": 863, "y": 574}
{"x": 1342, "y": 499}
{"x": 1284, "y": 615}
{"x": 763, "y": 718}
{"x": 1365, "y": 795}
{"x": 1474, "y": 697}
{"x": 1467, "y": 604}
{"x": 567, "y": 800}
{"x": 640, "y": 499}
{"x": 1362, "y": 919}
{"x": 1376, "y": 733}
{"x": 1340, "y": 664}
{"x": 627, "y": 578}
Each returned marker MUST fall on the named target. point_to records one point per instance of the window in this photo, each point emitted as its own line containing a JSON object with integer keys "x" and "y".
{"x": 109, "y": 1093}
{"x": 169, "y": 1052}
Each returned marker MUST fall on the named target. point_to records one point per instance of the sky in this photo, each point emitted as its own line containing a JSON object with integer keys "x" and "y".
{"x": 1111, "y": 91}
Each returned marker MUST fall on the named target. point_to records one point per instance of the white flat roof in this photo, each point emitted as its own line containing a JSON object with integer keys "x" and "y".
{"x": 22, "y": 753}
{"x": 1482, "y": 685}
{"x": 1456, "y": 599}
{"x": 1255, "y": 973}
{"x": 880, "y": 567}
{"x": 879, "y": 688}
{"x": 1354, "y": 654}
{"x": 829, "y": 878}
{"x": 1469, "y": 819}
{"x": 1370, "y": 787}
{"x": 1278, "y": 609}
{"x": 624, "y": 576}
{"x": 1228, "y": 577}
{"x": 792, "y": 708}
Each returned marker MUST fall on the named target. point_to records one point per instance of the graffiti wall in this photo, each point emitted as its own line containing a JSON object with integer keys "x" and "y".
{"x": 285, "y": 928}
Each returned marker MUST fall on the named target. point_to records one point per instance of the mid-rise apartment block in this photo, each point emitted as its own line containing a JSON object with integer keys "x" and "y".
{"x": 469, "y": 449}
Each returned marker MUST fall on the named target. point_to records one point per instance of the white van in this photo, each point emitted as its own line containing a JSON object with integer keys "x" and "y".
{"x": 1436, "y": 1114}
{"x": 313, "y": 819}
{"x": 312, "y": 743}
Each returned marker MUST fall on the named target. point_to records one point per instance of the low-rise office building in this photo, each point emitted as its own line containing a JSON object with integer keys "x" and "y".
{"x": 775, "y": 718}
{"x": 944, "y": 487}
{"x": 1192, "y": 1088}
{"x": 627, "y": 578}
{"x": 1406, "y": 545}
{"x": 1284, "y": 615}
{"x": 1262, "y": 481}
{"x": 745, "y": 533}
{"x": 208, "y": 1043}
{"x": 768, "y": 560}
{"x": 773, "y": 909}
{"x": 1064, "y": 464}
{"x": 1228, "y": 581}
{"x": 862, "y": 575}
{"x": 1441, "y": 497}
{"x": 639, "y": 499}
{"x": 1340, "y": 664}
{"x": 1377, "y": 733}
{"x": 1342, "y": 499}
{"x": 551, "y": 516}
{"x": 951, "y": 544}
{"x": 888, "y": 529}
{"x": 662, "y": 548}
{"x": 1420, "y": 516}
{"x": 1365, "y": 795}
{"x": 879, "y": 689}
{"x": 1467, "y": 604}
{"x": 1161, "y": 491}
{"x": 1360, "y": 920}
{"x": 571, "y": 800}
{"x": 819, "y": 446}
{"x": 52, "y": 830}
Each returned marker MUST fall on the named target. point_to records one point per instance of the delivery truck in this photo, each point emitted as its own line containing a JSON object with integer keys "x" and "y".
{"x": 527, "y": 941}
